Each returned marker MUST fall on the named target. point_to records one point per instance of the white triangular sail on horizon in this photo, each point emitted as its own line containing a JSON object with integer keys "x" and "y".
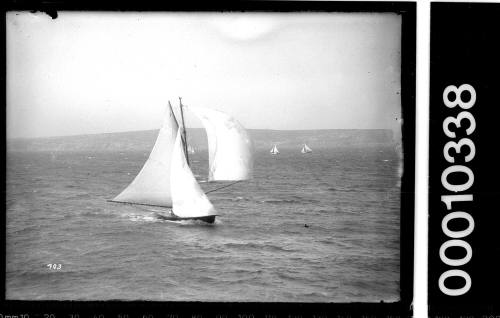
{"x": 152, "y": 184}
{"x": 229, "y": 146}
{"x": 274, "y": 150}
{"x": 189, "y": 200}
{"x": 306, "y": 149}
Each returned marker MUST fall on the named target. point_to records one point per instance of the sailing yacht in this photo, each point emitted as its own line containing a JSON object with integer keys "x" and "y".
{"x": 166, "y": 179}
{"x": 274, "y": 150}
{"x": 306, "y": 149}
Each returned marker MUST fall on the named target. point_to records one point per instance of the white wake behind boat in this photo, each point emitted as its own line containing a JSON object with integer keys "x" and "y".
{"x": 306, "y": 149}
{"x": 166, "y": 179}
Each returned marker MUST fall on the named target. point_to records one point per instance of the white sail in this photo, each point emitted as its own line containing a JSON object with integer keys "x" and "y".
{"x": 274, "y": 150}
{"x": 152, "y": 184}
{"x": 229, "y": 146}
{"x": 188, "y": 198}
{"x": 306, "y": 149}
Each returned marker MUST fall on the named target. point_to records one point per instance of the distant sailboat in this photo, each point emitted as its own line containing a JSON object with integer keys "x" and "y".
{"x": 274, "y": 150}
{"x": 166, "y": 179}
{"x": 306, "y": 149}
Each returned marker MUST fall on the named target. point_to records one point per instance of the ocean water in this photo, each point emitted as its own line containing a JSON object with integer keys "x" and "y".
{"x": 259, "y": 248}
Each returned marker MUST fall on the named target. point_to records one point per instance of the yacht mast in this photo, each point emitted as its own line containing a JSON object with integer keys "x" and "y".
{"x": 184, "y": 131}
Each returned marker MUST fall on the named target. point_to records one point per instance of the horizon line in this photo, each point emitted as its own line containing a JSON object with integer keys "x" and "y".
{"x": 129, "y": 131}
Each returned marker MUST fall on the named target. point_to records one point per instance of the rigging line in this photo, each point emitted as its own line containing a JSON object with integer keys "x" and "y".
{"x": 184, "y": 131}
{"x": 227, "y": 185}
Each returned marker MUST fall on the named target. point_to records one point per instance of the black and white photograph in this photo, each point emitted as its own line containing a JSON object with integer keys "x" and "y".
{"x": 205, "y": 156}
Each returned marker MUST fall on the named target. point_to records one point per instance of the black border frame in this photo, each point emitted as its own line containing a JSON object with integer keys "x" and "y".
{"x": 402, "y": 308}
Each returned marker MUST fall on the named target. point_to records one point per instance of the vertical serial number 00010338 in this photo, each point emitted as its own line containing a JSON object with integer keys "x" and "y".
{"x": 465, "y": 150}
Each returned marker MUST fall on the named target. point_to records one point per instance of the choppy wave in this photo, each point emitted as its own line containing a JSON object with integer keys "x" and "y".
{"x": 288, "y": 201}
{"x": 257, "y": 249}
{"x": 333, "y": 189}
{"x": 24, "y": 230}
{"x": 258, "y": 246}
{"x": 236, "y": 199}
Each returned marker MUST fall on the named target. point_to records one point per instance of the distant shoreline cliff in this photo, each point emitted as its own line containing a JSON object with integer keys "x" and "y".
{"x": 262, "y": 139}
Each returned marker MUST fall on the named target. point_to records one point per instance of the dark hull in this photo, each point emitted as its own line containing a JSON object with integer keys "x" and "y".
{"x": 208, "y": 219}
{"x": 171, "y": 217}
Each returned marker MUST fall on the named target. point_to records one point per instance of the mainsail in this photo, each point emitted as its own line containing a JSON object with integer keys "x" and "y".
{"x": 306, "y": 149}
{"x": 274, "y": 150}
{"x": 229, "y": 146}
{"x": 152, "y": 185}
{"x": 188, "y": 198}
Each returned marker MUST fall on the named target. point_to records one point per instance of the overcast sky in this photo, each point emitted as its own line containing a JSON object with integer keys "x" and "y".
{"x": 106, "y": 72}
